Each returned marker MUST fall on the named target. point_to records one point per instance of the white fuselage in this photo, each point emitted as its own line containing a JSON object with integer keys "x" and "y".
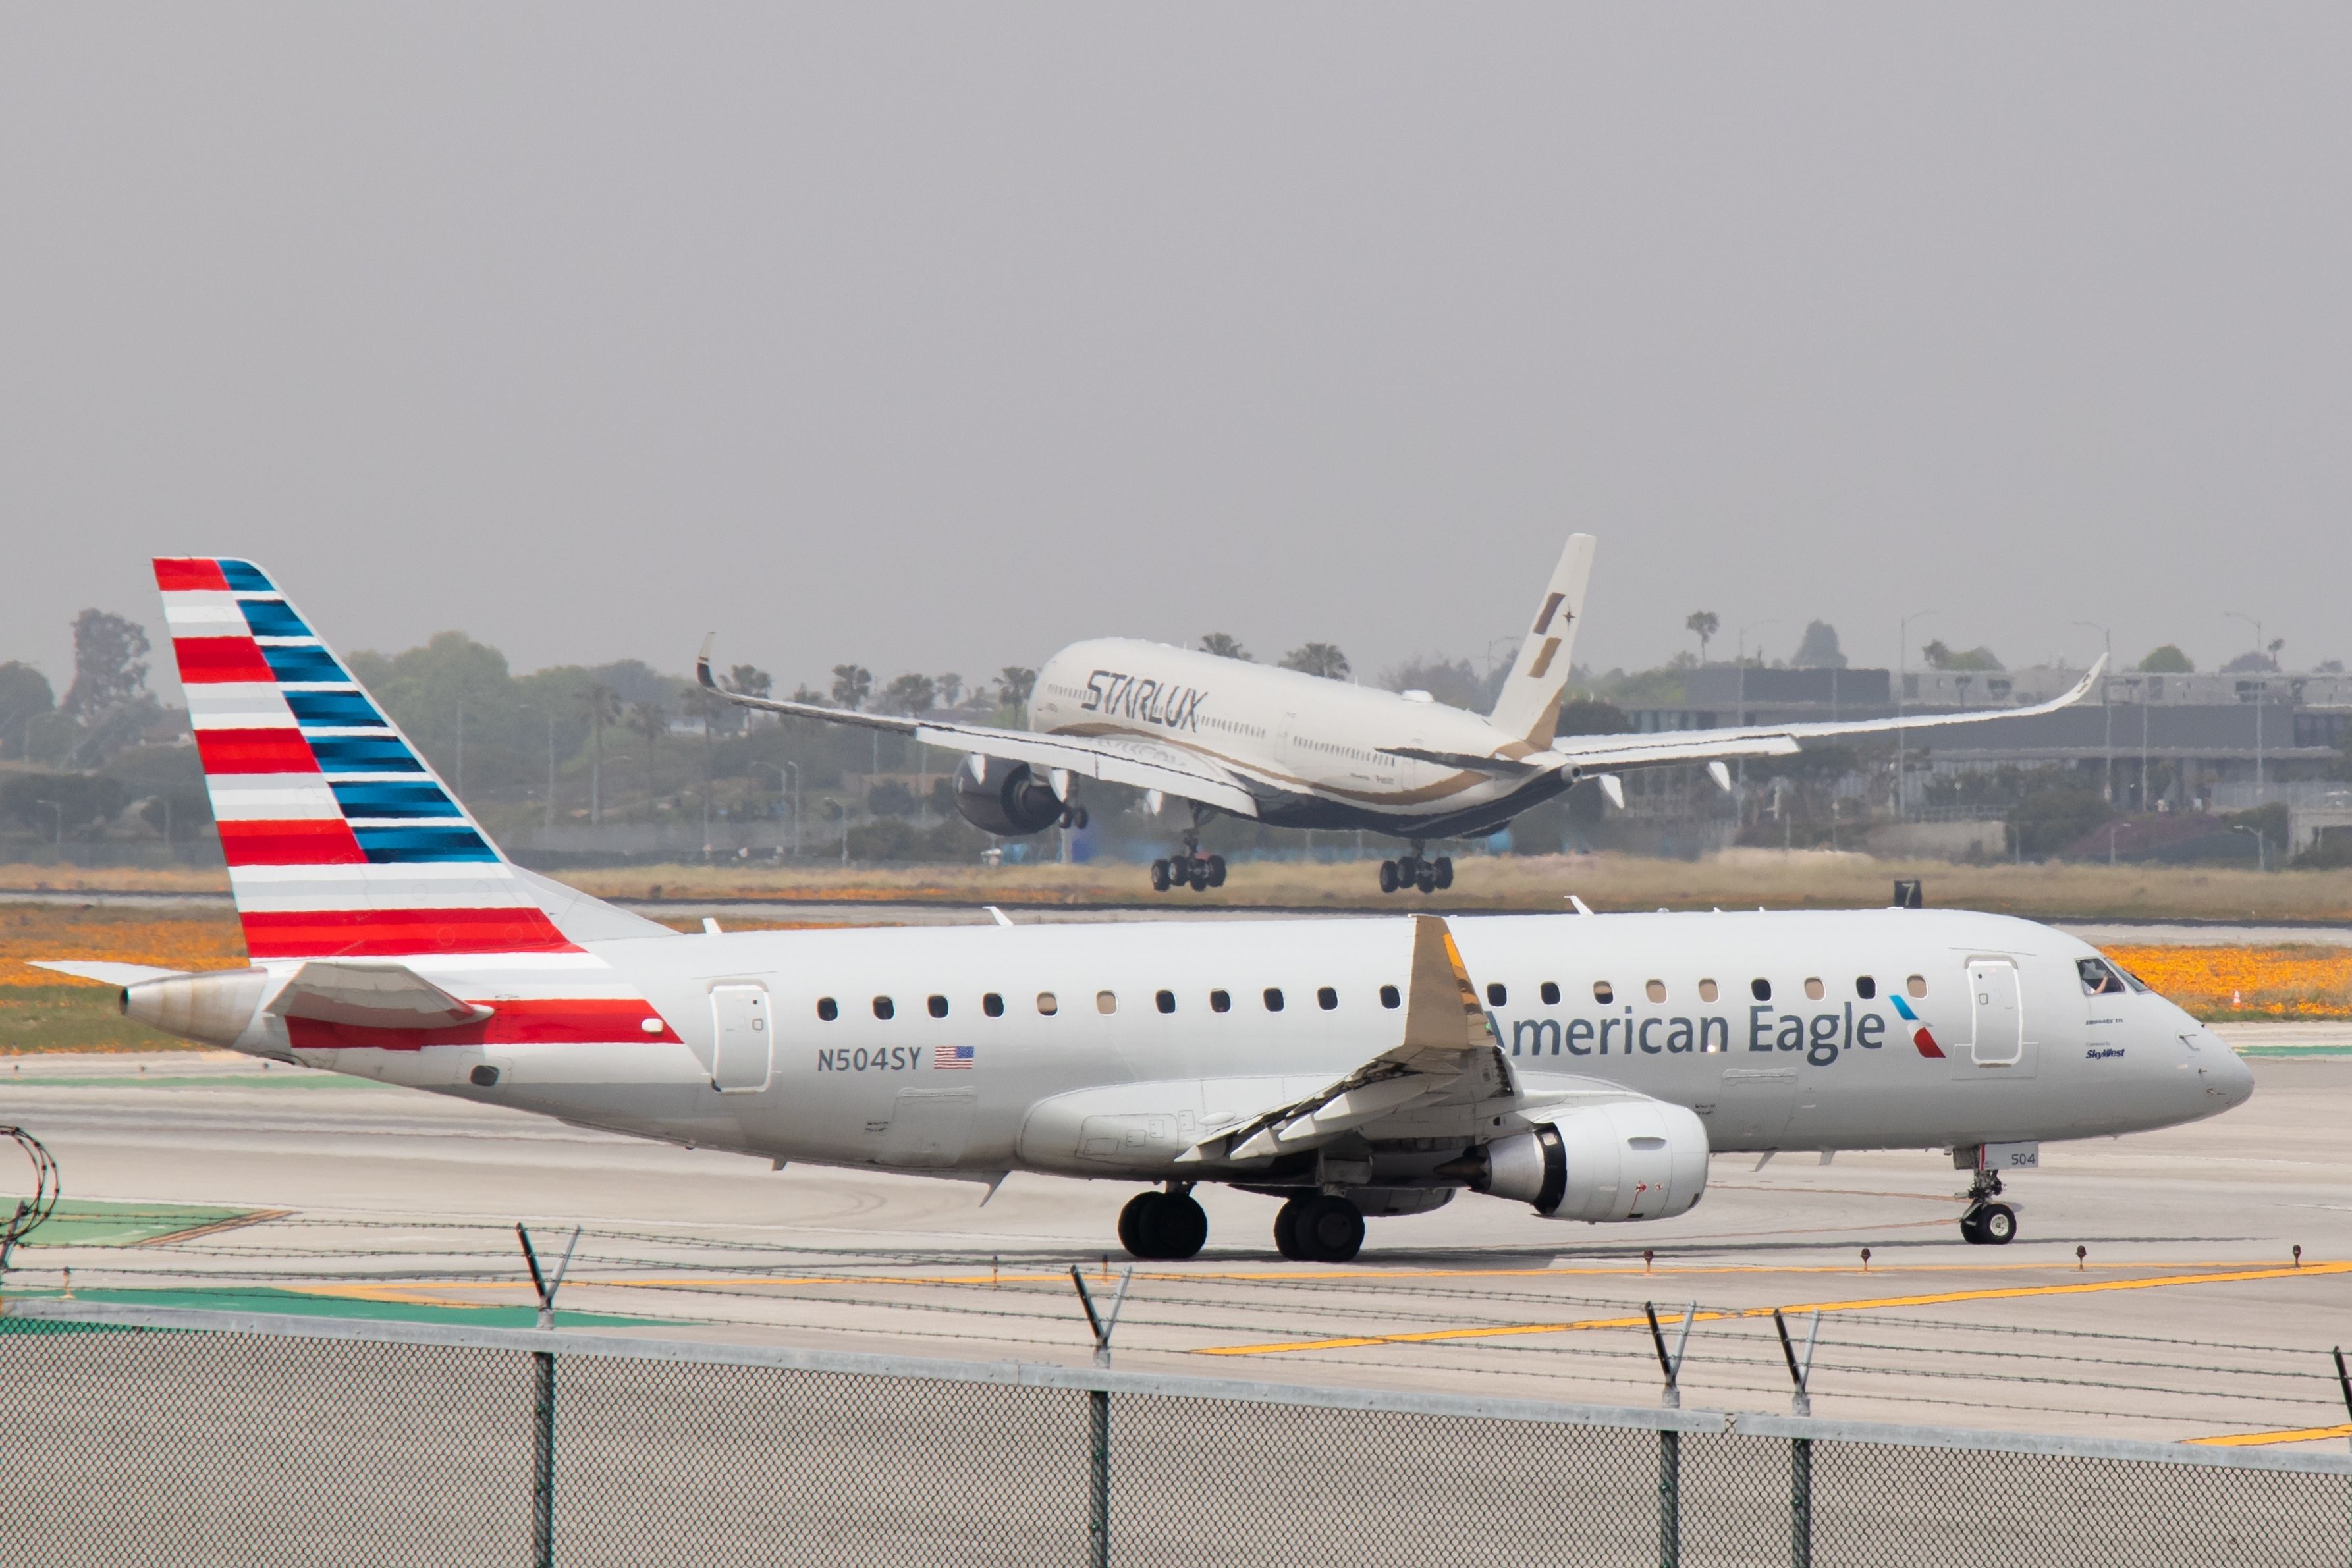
{"x": 1322, "y": 739}
{"x": 1115, "y": 1081}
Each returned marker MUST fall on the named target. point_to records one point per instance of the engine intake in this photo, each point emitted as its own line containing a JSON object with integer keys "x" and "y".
{"x": 1637, "y": 1159}
{"x": 1005, "y": 799}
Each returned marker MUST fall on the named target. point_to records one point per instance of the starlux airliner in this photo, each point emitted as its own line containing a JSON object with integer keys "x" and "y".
{"x": 1585, "y": 1066}
{"x": 1298, "y": 751}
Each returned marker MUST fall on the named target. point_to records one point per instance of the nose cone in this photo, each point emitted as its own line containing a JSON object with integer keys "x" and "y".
{"x": 2223, "y": 1079}
{"x": 2232, "y": 1077}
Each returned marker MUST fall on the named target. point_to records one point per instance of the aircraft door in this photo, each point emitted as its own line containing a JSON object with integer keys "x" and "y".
{"x": 1996, "y": 1010}
{"x": 744, "y": 1052}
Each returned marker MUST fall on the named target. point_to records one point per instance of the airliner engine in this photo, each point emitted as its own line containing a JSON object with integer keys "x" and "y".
{"x": 1635, "y": 1159}
{"x": 1001, "y": 797}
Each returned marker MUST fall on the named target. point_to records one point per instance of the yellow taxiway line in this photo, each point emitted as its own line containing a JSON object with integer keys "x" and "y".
{"x": 1937, "y": 1298}
{"x": 2264, "y": 1440}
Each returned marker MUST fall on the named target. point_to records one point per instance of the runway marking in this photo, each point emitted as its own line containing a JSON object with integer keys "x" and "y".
{"x": 1501, "y": 1331}
{"x": 2264, "y": 1440}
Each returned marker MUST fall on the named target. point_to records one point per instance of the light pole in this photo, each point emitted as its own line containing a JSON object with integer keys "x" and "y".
{"x": 2107, "y": 708}
{"x": 2262, "y": 845}
{"x": 779, "y": 770}
{"x": 1742, "y": 718}
{"x": 2262, "y": 694}
{"x": 61, "y": 812}
{"x": 1902, "y": 678}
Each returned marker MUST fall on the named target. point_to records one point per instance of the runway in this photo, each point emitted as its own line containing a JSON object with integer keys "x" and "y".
{"x": 2186, "y": 1316}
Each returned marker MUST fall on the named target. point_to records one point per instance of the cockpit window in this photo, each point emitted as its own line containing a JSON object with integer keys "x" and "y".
{"x": 2100, "y": 978}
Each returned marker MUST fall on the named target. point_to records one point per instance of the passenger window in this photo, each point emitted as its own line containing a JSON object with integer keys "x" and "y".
{"x": 1655, "y": 990}
{"x": 1760, "y": 989}
{"x": 1707, "y": 991}
{"x": 1916, "y": 985}
{"x": 938, "y": 1006}
{"x": 1166, "y": 1000}
{"x": 827, "y": 1009}
{"x": 993, "y": 1005}
{"x": 1327, "y": 999}
{"x": 1105, "y": 1002}
{"x": 1274, "y": 998}
{"x": 1390, "y": 997}
{"x": 1864, "y": 987}
{"x": 1219, "y": 1002}
{"x": 1601, "y": 992}
{"x": 1495, "y": 994}
{"x": 883, "y": 1007}
{"x": 1046, "y": 1004}
{"x": 1814, "y": 990}
{"x": 1550, "y": 993}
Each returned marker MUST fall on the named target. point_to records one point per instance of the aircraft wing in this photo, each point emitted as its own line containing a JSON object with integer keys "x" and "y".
{"x": 1119, "y": 759}
{"x": 1779, "y": 740}
{"x": 1448, "y": 1053}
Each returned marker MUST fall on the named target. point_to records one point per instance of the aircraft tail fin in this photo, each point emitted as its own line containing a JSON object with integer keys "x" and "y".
{"x": 1528, "y": 704}
{"x": 341, "y": 840}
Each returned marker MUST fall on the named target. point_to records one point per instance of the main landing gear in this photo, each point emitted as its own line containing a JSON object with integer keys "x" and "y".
{"x": 1408, "y": 872}
{"x": 1319, "y": 1227}
{"x": 1987, "y": 1223}
{"x": 1163, "y": 1225}
{"x": 1191, "y": 869}
{"x": 1074, "y": 817}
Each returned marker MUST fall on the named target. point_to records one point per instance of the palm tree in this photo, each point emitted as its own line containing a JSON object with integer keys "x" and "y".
{"x": 1016, "y": 683}
{"x": 852, "y": 683}
{"x": 649, "y": 719}
{"x": 1318, "y": 659}
{"x": 1706, "y": 624}
{"x": 1224, "y": 645}
{"x": 602, "y": 705}
{"x": 910, "y": 694}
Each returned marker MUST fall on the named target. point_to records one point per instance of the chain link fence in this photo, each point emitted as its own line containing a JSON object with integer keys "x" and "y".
{"x": 141, "y": 1436}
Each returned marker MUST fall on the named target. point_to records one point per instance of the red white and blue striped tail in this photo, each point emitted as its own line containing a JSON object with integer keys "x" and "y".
{"x": 341, "y": 841}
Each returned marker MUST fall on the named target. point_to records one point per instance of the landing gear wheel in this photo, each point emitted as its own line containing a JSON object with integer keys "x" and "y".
{"x": 1216, "y": 871}
{"x": 1160, "y": 879}
{"x": 1137, "y": 1222}
{"x": 1428, "y": 882}
{"x": 1997, "y": 1224}
{"x": 1200, "y": 870}
{"x": 1388, "y": 876}
{"x": 1972, "y": 1229}
{"x": 1078, "y": 817}
{"x": 1285, "y": 1230}
{"x": 1445, "y": 871}
{"x": 1327, "y": 1229}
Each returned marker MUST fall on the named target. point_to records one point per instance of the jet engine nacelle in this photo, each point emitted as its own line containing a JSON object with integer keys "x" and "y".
{"x": 1636, "y": 1159}
{"x": 1006, "y": 798}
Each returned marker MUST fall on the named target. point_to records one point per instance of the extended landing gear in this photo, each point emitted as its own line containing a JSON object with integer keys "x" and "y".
{"x": 1191, "y": 869}
{"x": 1073, "y": 817}
{"x": 1987, "y": 1223}
{"x": 1319, "y": 1227}
{"x": 1163, "y": 1225}
{"x": 1408, "y": 872}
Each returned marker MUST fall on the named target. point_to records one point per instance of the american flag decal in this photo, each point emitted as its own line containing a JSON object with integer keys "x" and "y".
{"x": 946, "y": 1056}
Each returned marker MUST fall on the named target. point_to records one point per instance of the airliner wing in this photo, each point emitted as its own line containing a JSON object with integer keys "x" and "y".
{"x": 1780, "y": 741}
{"x": 1119, "y": 759}
{"x": 1448, "y": 1053}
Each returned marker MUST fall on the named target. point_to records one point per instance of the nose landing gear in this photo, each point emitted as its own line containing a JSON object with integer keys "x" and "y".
{"x": 1987, "y": 1223}
{"x": 1190, "y": 868}
{"x": 1408, "y": 872}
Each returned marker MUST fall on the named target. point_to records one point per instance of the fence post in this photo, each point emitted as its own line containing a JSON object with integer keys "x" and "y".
{"x": 542, "y": 1483}
{"x": 1099, "y": 1473}
{"x": 1670, "y": 1499}
{"x": 1800, "y": 1501}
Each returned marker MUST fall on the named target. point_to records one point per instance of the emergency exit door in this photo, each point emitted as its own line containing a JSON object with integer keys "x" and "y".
{"x": 745, "y": 1052}
{"x": 1993, "y": 1003}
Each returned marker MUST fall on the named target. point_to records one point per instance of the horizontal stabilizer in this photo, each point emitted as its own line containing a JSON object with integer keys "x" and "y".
{"x": 371, "y": 996}
{"x": 105, "y": 974}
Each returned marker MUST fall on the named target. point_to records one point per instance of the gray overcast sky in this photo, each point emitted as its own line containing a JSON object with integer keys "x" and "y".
{"x": 935, "y": 337}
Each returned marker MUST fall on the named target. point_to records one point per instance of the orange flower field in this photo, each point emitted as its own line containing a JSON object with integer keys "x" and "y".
{"x": 2247, "y": 983}
{"x": 176, "y": 941}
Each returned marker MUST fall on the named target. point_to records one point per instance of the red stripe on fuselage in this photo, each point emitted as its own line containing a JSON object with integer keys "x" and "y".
{"x": 398, "y": 933}
{"x": 540, "y": 1021}
{"x": 327, "y": 842}
{"x": 176, "y": 575}
{"x": 208, "y": 661}
{"x": 255, "y": 751}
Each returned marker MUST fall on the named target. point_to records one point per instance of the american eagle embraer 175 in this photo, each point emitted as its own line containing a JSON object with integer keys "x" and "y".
{"x": 1299, "y": 751}
{"x": 1586, "y": 1066}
